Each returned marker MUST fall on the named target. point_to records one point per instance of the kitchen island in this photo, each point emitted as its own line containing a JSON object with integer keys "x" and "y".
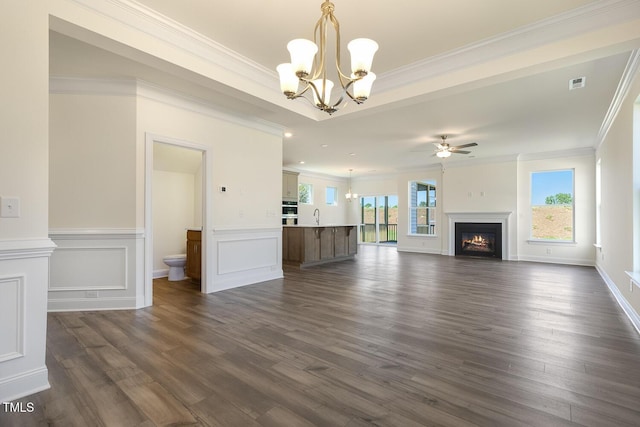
{"x": 306, "y": 245}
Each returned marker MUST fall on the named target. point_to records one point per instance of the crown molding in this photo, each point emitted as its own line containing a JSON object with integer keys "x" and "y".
{"x": 234, "y": 70}
{"x": 178, "y": 100}
{"x": 139, "y": 17}
{"x": 138, "y": 88}
{"x": 62, "y": 85}
{"x": 548, "y": 155}
{"x": 589, "y": 18}
{"x": 629, "y": 74}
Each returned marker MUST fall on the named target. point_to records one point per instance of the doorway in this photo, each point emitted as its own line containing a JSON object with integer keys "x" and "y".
{"x": 171, "y": 165}
{"x": 379, "y": 220}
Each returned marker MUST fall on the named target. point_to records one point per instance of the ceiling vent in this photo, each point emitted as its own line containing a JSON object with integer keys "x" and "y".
{"x": 577, "y": 83}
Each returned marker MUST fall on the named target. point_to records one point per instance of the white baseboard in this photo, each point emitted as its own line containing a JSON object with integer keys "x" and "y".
{"x": 160, "y": 273}
{"x": 25, "y": 384}
{"x": 91, "y": 304}
{"x": 245, "y": 279}
{"x": 564, "y": 261}
{"x": 419, "y": 250}
{"x": 622, "y": 301}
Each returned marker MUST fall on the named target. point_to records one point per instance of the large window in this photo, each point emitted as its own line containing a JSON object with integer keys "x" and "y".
{"x": 422, "y": 207}
{"x": 305, "y": 194}
{"x": 552, "y": 209}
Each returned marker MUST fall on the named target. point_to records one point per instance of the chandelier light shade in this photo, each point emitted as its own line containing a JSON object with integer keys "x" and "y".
{"x": 362, "y": 51}
{"x": 302, "y": 53}
{"x": 307, "y": 70}
{"x": 350, "y": 196}
{"x": 362, "y": 87}
{"x": 323, "y": 93}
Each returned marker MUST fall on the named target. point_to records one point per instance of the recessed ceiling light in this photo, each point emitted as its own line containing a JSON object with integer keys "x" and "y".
{"x": 288, "y": 134}
{"x": 352, "y": 154}
{"x": 302, "y": 162}
{"x": 324, "y": 145}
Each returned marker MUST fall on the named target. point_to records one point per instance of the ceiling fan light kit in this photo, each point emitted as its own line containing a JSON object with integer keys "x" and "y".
{"x": 444, "y": 150}
{"x": 308, "y": 69}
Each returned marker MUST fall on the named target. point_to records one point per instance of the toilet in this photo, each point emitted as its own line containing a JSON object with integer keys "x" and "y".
{"x": 176, "y": 265}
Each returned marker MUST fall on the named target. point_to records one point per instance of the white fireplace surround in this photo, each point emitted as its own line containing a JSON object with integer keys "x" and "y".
{"x": 489, "y": 217}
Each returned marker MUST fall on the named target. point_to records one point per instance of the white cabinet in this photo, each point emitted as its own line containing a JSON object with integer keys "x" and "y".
{"x": 289, "y": 186}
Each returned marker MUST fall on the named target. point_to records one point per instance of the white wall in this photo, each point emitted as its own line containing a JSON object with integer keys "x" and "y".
{"x": 338, "y": 214}
{"x": 92, "y": 158}
{"x": 98, "y": 158}
{"x": 500, "y": 186}
{"x": 24, "y": 158}
{"x": 92, "y": 209}
{"x": 243, "y": 238}
{"x": 617, "y": 155}
{"x": 173, "y": 213}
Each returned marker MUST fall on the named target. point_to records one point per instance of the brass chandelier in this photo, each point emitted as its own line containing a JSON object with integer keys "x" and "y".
{"x": 308, "y": 69}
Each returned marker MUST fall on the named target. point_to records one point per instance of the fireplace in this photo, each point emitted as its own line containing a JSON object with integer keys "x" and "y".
{"x": 499, "y": 219}
{"x": 479, "y": 239}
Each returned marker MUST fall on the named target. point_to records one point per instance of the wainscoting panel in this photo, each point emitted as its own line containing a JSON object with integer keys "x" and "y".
{"x": 245, "y": 256}
{"x": 12, "y": 300}
{"x": 88, "y": 268}
{"x": 24, "y": 277}
{"x": 95, "y": 269}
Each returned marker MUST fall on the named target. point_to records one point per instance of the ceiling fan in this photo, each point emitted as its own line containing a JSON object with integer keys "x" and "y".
{"x": 444, "y": 149}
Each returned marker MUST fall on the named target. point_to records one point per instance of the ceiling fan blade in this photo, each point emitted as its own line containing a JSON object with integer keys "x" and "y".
{"x": 460, "y": 152}
{"x": 471, "y": 144}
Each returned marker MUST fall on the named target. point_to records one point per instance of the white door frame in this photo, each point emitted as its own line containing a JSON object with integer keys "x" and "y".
{"x": 377, "y": 223}
{"x": 207, "y": 174}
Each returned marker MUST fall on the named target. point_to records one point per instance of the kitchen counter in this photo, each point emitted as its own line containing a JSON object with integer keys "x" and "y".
{"x": 306, "y": 245}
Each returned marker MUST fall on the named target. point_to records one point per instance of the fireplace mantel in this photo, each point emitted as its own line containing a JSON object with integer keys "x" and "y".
{"x": 497, "y": 217}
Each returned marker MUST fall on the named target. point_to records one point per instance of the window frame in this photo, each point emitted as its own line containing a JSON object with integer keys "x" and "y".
{"x": 310, "y": 191}
{"x": 431, "y": 205}
{"x": 335, "y": 196}
{"x": 533, "y": 239}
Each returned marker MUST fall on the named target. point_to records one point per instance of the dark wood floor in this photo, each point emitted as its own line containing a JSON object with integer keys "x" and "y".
{"x": 390, "y": 339}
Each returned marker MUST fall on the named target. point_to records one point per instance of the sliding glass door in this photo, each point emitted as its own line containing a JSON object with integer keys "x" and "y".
{"x": 379, "y": 219}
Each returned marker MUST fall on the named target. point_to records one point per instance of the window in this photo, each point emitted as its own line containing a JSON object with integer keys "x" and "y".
{"x": 422, "y": 207}
{"x": 305, "y": 194}
{"x": 332, "y": 196}
{"x": 552, "y": 205}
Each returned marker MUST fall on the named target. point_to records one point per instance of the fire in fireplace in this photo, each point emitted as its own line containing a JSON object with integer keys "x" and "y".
{"x": 479, "y": 239}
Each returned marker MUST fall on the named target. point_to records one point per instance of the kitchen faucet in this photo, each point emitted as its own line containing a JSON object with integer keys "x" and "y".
{"x": 318, "y": 218}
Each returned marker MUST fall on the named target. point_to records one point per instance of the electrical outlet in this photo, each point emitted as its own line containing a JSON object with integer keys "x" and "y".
{"x": 548, "y": 251}
{"x": 9, "y": 207}
{"x": 91, "y": 294}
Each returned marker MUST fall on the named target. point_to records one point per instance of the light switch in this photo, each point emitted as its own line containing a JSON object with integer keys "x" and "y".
{"x": 9, "y": 207}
